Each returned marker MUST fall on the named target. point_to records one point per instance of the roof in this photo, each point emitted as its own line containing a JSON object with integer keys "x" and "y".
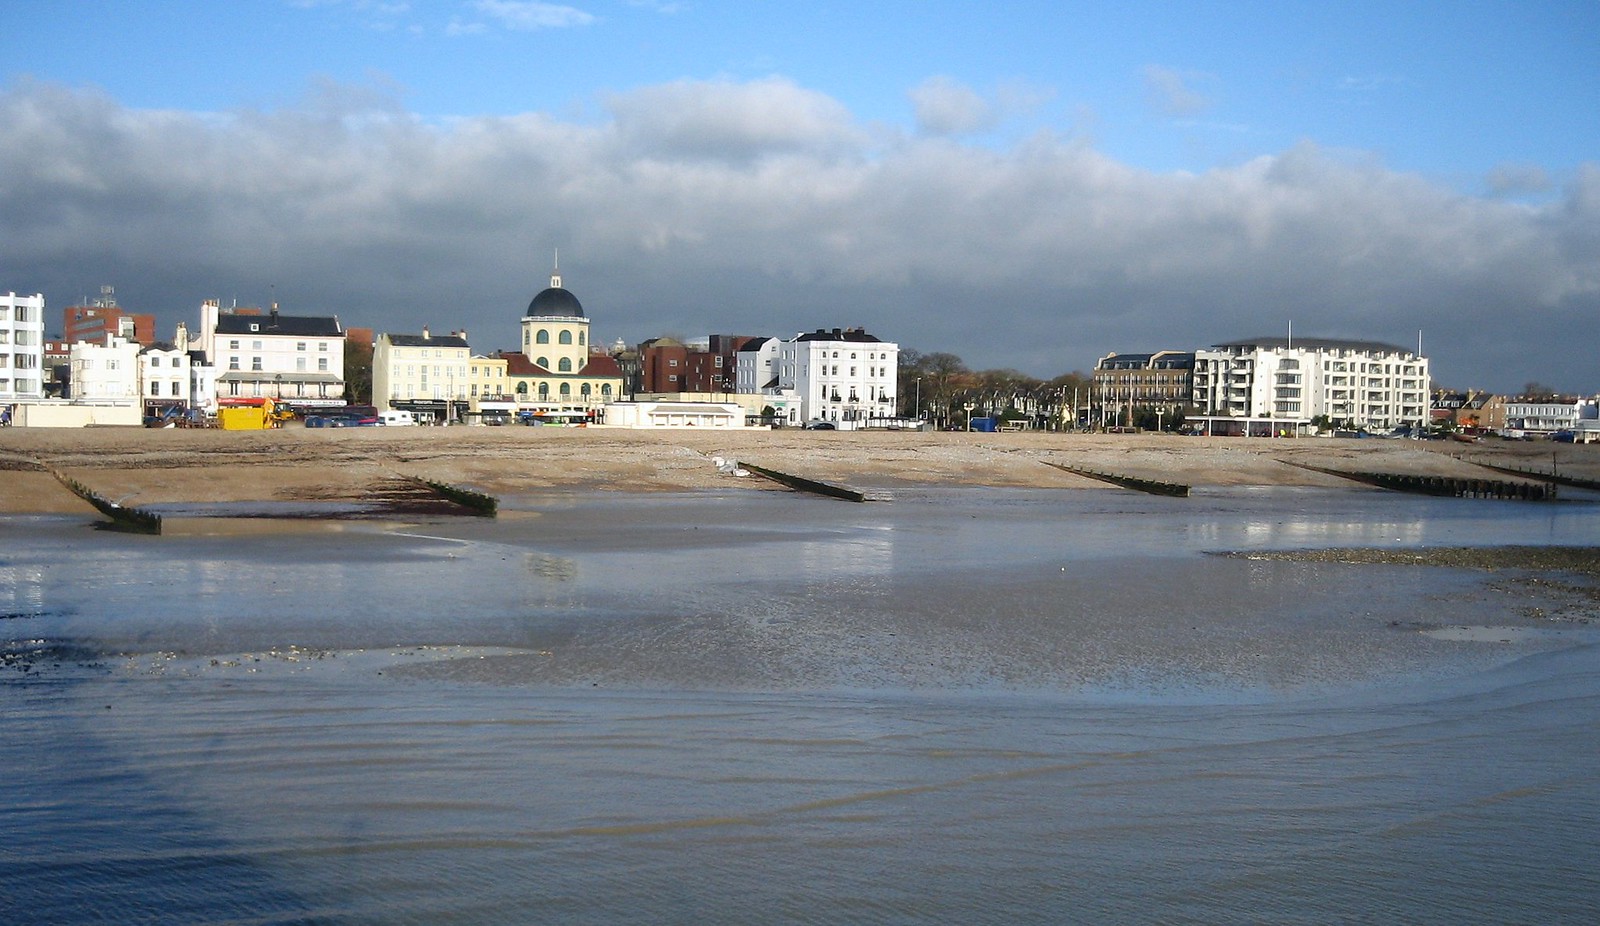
{"x": 601, "y": 365}
{"x": 754, "y": 344}
{"x": 417, "y": 340}
{"x": 520, "y": 365}
{"x": 858, "y": 335}
{"x": 555, "y": 302}
{"x": 303, "y": 326}
{"x": 1314, "y": 344}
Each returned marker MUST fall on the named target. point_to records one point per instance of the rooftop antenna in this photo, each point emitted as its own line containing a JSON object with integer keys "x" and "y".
{"x": 1291, "y": 334}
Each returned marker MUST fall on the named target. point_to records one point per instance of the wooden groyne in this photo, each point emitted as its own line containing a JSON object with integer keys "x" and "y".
{"x": 1148, "y": 486}
{"x": 1444, "y": 486}
{"x": 803, "y": 484}
{"x": 478, "y": 503}
{"x": 134, "y": 520}
{"x": 1571, "y": 481}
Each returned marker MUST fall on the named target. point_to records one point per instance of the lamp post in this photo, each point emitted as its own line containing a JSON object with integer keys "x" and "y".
{"x": 919, "y": 399}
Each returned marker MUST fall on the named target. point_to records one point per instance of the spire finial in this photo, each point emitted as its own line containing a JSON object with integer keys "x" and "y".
{"x": 555, "y": 275}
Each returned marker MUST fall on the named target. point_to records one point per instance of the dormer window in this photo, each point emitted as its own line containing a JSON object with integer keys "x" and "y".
{"x": 254, "y": 327}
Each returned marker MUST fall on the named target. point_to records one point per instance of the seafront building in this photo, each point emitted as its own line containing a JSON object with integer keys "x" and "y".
{"x": 1163, "y": 381}
{"x": 297, "y": 360}
{"x": 843, "y": 376}
{"x": 556, "y": 367}
{"x": 105, "y": 371}
{"x": 21, "y": 348}
{"x": 1275, "y": 385}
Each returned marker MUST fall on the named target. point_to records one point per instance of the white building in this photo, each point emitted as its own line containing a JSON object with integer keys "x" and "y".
{"x": 844, "y": 375}
{"x": 1267, "y": 385}
{"x": 21, "y": 347}
{"x": 105, "y": 371}
{"x": 675, "y": 414}
{"x": 297, "y": 359}
{"x": 164, "y": 378}
{"x": 1542, "y": 417}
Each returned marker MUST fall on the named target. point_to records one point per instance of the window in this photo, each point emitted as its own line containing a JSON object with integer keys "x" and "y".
{"x": 543, "y": 337}
{"x": 544, "y": 390}
{"x": 580, "y": 338}
{"x": 233, "y": 345}
{"x": 672, "y": 363}
{"x": 255, "y": 345}
{"x": 566, "y": 389}
{"x": 673, "y": 378}
{"x": 566, "y": 337}
{"x": 323, "y": 346}
{"x": 605, "y": 389}
{"x": 233, "y": 363}
{"x": 255, "y": 327}
{"x": 255, "y": 364}
{"x": 584, "y": 389}
{"x": 543, "y": 362}
{"x": 566, "y": 365}
{"x": 322, "y": 364}
{"x": 299, "y": 364}
{"x": 155, "y": 388}
{"x": 175, "y": 392}
{"x": 300, "y": 346}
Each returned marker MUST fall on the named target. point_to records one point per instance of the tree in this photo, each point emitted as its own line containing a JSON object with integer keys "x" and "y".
{"x": 357, "y": 372}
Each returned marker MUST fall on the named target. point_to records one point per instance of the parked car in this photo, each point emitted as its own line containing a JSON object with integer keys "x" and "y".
{"x": 398, "y": 418}
{"x": 821, "y": 426}
{"x": 341, "y": 420}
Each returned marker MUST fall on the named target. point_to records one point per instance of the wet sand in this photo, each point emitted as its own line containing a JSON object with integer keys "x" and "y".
{"x": 295, "y": 464}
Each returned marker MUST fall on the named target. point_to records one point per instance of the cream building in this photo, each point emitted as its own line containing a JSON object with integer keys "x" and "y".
{"x": 556, "y": 367}
{"x": 429, "y": 375}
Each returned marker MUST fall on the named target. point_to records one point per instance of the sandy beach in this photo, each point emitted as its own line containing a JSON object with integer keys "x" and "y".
{"x": 171, "y": 465}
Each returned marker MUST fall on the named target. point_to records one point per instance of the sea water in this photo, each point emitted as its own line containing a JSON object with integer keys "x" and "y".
{"x": 952, "y": 706}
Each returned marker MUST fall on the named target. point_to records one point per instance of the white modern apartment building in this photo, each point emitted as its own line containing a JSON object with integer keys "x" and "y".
{"x": 756, "y": 365}
{"x": 843, "y": 375}
{"x": 1268, "y": 385}
{"x": 105, "y": 370}
{"x": 21, "y": 347}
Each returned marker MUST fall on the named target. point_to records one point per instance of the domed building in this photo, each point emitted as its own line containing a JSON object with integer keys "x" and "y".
{"x": 556, "y": 366}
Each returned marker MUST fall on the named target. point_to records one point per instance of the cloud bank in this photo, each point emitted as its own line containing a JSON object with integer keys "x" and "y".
{"x": 763, "y": 207}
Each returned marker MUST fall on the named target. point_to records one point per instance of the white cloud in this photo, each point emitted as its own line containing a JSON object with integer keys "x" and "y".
{"x": 946, "y": 107}
{"x": 766, "y": 208}
{"x": 1171, "y": 92}
{"x": 529, "y": 15}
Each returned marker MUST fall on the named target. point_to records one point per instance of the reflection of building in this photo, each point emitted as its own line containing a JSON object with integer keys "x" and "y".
{"x": 94, "y": 322}
{"x": 21, "y": 347}
{"x": 298, "y": 359}
{"x": 1163, "y": 380}
{"x": 1268, "y": 384}
{"x": 556, "y": 365}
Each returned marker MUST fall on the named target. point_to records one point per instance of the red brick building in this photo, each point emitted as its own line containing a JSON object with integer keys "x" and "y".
{"x": 94, "y": 322}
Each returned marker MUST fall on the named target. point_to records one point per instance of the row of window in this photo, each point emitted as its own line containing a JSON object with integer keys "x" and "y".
{"x": 299, "y": 364}
{"x": 542, "y": 336}
{"x": 299, "y": 345}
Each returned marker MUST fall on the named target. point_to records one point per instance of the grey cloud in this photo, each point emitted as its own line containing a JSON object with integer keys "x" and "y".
{"x": 766, "y": 208}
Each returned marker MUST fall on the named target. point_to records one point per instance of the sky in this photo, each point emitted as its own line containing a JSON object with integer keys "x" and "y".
{"x": 1027, "y": 185}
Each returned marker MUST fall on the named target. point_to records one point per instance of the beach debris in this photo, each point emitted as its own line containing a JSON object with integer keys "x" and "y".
{"x": 729, "y": 467}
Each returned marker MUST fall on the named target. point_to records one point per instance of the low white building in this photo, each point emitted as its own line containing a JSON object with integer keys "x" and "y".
{"x": 1542, "y": 417}
{"x": 21, "y": 348}
{"x": 719, "y": 416}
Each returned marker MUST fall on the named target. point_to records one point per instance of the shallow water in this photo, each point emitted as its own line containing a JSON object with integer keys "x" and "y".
{"x": 990, "y": 706}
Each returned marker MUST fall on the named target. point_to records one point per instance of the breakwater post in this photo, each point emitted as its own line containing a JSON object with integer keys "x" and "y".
{"x": 1446, "y": 486}
{"x": 1148, "y": 486}
{"x": 806, "y": 485}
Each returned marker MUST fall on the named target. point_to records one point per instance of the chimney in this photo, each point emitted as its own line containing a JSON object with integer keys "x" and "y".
{"x": 425, "y": 335}
{"x": 462, "y": 334}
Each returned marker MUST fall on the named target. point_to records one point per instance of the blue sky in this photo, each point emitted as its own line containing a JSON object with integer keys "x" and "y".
{"x": 1480, "y": 114}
